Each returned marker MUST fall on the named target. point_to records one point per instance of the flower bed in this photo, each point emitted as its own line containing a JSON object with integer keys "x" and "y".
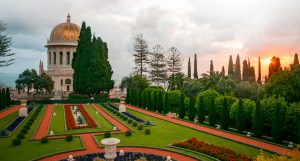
{"x": 69, "y": 118}
{"x": 15, "y": 124}
{"x": 87, "y": 117}
{"x": 133, "y": 117}
{"x": 219, "y": 152}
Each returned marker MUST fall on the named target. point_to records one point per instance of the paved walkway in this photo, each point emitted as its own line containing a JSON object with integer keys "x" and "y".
{"x": 90, "y": 145}
{"x": 9, "y": 111}
{"x": 45, "y": 123}
{"x": 230, "y": 136}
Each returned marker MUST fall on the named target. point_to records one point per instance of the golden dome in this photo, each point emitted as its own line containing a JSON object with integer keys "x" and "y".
{"x": 65, "y": 33}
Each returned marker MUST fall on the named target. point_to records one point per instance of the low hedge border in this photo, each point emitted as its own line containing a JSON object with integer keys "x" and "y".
{"x": 205, "y": 155}
{"x": 74, "y": 101}
{"x": 38, "y": 125}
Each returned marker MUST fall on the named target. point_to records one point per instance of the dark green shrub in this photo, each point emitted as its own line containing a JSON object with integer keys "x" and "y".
{"x": 16, "y": 142}
{"x": 140, "y": 127}
{"x": 128, "y": 133}
{"x": 44, "y": 140}
{"x": 121, "y": 116}
{"x": 24, "y": 131}
{"x": 118, "y": 114}
{"x": 107, "y": 135}
{"x": 3, "y": 132}
{"x": 21, "y": 136}
{"x": 27, "y": 127}
{"x": 147, "y": 131}
{"x": 69, "y": 137}
{"x": 125, "y": 118}
{"x": 134, "y": 124}
{"x": 129, "y": 121}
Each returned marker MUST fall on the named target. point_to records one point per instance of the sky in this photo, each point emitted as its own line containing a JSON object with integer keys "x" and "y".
{"x": 213, "y": 29}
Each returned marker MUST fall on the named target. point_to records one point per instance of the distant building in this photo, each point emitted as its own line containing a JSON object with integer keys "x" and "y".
{"x": 61, "y": 47}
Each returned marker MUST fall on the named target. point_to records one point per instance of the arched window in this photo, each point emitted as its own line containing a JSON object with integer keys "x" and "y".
{"x": 54, "y": 58}
{"x": 49, "y": 58}
{"x": 61, "y": 82}
{"x": 68, "y": 81}
{"x": 68, "y": 58}
{"x": 60, "y": 58}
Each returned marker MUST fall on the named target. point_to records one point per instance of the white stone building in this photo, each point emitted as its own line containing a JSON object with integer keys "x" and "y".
{"x": 61, "y": 47}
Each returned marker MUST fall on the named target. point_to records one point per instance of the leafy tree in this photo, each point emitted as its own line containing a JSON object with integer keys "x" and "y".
{"x": 237, "y": 69}
{"x": 277, "y": 124}
{"x": 210, "y": 81}
{"x": 158, "y": 72}
{"x": 166, "y": 108}
{"x": 212, "y": 113}
{"x": 219, "y": 104}
{"x": 225, "y": 119}
{"x": 245, "y": 71}
{"x": 291, "y": 120}
{"x": 141, "y": 54}
{"x": 5, "y": 50}
{"x": 259, "y": 72}
{"x": 211, "y": 68}
{"x": 230, "y": 67}
{"x": 201, "y": 110}
{"x": 176, "y": 81}
{"x": 26, "y": 79}
{"x": 192, "y": 110}
{"x": 174, "y": 97}
{"x": 192, "y": 87}
{"x": 182, "y": 111}
{"x": 225, "y": 86}
{"x": 257, "y": 125}
{"x": 160, "y": 102}
{"x": 240, "y": 119}
{"x": 248, "y": 107}
{"x": 246, "y": 90}
{"x": 207, "y": 96}
{"x": 274, "y": 66}
{"x": 195, "y": 67}
{"x": 189, "y": 69}
{"x": 134, "y": 81}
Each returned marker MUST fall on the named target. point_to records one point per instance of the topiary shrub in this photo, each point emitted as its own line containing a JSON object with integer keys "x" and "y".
{"x": 27, "y": 126}
{"x": 219, "y": 102}
{"x": 44, "y": 140}
{"x": 125, "y": 118}
{"x": 16, "y": 142}
{"x": 140, "y": 127}
{"x": 69, "y": 137}
{"x": 21, "y": 136}
{"x": 3, "y": 132}
{"x": 129, "y": 121}
{"x": 107, "y": 135}
{"x": 248, "y": 107}
{"x": 24, "y": 131}
{"x": 147, "y": 131}
{"x": 208, "y": 95}
{"x": 118, "y": 114}
{"x": 128, "y": 133}
{"x": 121, "y": 116}
{"x": 134, "y": 124}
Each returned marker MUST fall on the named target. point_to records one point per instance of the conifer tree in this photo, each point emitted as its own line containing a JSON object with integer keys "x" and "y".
{"x": 174, "y": 63}
{"x": 155, "y": 99}
{"x": 8, "y": 99}
{"x": 230, "y": 67}
{"x": 296, "y": 59}
{"x": 141, "y": 54}
{"x": 259, "y": 72}
{"x": 251, "y": 74}
{"x": 189, "y": 68}
{"x": 277, "y": 124}
{"x": 201, "y": 110}
{"x": 157, "y": 64}
{"x": 225, "y": 119}
{"x": 3, "y": 97}
{"x": 211, "y": 69}
{"x": 212, "y": 113}
{"x": 127, "y": 99}
{"x": 139, "y": 98}
{"x": 298, "y": 133}
{"x": 258, "y": 124}
{"x": 237, "y": 69}
{"x": 182, "y": 111}
{"x": 223, "y": 71}
{"x": 245, "y": 71}
{"x": 1, "y": 100}
{"x": 195, "y": 67}
{"x": 192, "y": 110}
{"x": 144, "y": 99}
{"x": 166, "y": 107}
{"x": 150, "y": 101}
{"x": 160, "y": 102}
{"x": 240, "y": 121}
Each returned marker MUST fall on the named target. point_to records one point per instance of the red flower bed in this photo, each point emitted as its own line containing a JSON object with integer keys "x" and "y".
{"x": 219, "y": 152}
{"x": 69, "y": 118}
{"x": 87, "y": 117}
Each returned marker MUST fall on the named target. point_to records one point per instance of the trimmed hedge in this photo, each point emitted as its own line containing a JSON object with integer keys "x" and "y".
{"x": 16, "y": 142}
{"x": 147, "y": 131}
{"x": 44, "y": 140}
{"x": 107, "y": 135}
{"x": 69, "y": 137}
{"x": 74, "y": 101}
{"x": 128, "y": 133}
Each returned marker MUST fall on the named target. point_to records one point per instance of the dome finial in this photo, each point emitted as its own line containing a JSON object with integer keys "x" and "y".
{"x": 68, "y": 18}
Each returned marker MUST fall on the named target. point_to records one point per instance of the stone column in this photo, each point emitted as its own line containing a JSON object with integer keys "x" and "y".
{"x": 110, "y": 148}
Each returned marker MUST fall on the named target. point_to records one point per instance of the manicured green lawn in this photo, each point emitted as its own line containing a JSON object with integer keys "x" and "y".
{"x": 29, "y": 150}
{"x": 58, "y": 122}
{"x": 8, "y": 119}
{"x": 165, "y": 133}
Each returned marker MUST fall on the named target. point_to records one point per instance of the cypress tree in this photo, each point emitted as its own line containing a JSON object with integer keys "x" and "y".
{"x": 135, "y": 95}
{"x": 189, "y": 69}
{"x": 223, "y": 71}
{"x": 237, "y": 69}
{"x": 192, "y": 110}
{"x": 211, "y": 69}
{"x": 195, "y": 67}
{"x": 258, "y": 124}
{"x": 230, "y": 67}
{"x": 201, "y": 110}
{"x": 160, "y": 102}
{"x": 296, "y": 59}
{"x": 259, "y": 72}
{"x": 8, "y": 99}
{"x": 127, "y": 99}
{"x": 182, "y": 107}
{"x": 150, "y": 101}
{"x": 298, "y": 133}
{"x": 277, "y": 131}
{"x": 225, "y": 115}
{"x": 3, "y": 97}
{"x": 143, "y": 99}
{"x": 212, "y": 113}
{"x": 1, "y": 100}
{"x": 166, "y": 107}
{"x": 240, "y": 121}
{"x": 155, "y": 99}
{"x": 245, "y": 71}
{"x": 251, "y": 74}
{"x": 139, "y": 98}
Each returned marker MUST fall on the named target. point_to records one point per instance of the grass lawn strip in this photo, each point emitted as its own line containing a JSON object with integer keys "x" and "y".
{"x": 99, "y": 119}
{"x": 5, "y": 121}
{"x": 29, "y": 149}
